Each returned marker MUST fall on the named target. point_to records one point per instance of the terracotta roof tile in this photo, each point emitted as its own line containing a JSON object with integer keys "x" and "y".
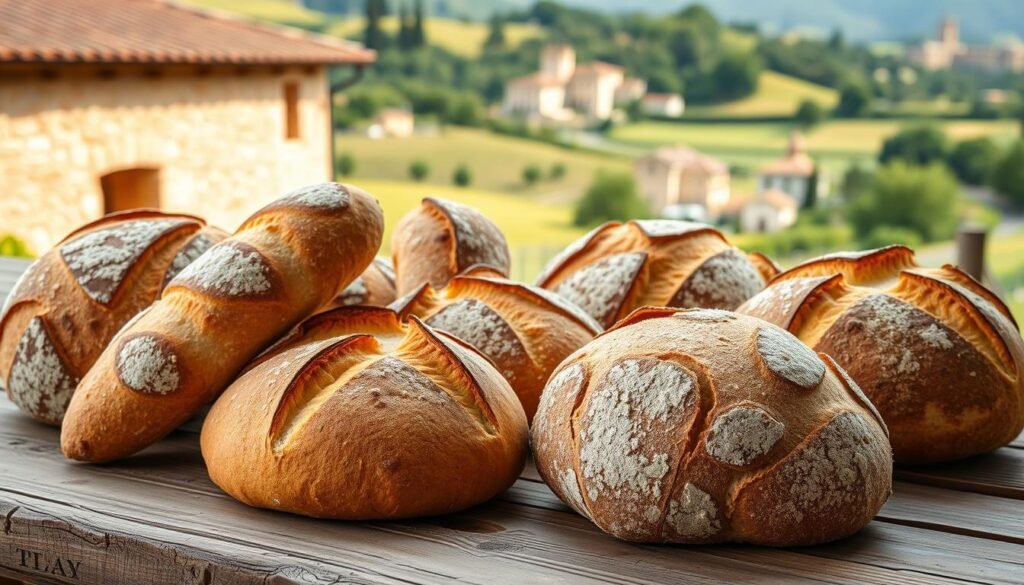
{"x": 156, "y": 31}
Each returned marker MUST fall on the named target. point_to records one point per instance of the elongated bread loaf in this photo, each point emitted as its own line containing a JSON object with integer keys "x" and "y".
{"x": 938, "y": 353}
{"x": 707, "y": 426}
{"x": 68, "y": 305}
{"x": 284, "y": 262}
{"x": 358, "y": 416}
{"x": 621, "y": 266}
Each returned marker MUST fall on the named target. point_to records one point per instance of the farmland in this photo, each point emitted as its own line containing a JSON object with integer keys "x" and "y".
{"x": 462, "y": 38}
{"x": 496, "y": 162}
{"x": 776, "y": 95}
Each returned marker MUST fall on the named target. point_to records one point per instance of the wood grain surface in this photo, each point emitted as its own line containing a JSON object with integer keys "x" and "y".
{"x": 156, "y": 518}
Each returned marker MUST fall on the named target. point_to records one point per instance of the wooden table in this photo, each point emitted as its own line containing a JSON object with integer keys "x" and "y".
{"x": 156, "y": 518}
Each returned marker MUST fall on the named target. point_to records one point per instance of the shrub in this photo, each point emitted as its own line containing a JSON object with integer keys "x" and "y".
{"x": 419, "y": 170}
{"x": 854, "y": 101}
{"x": 919, "y": 145}
{"x": 974, "y": 160}
{"x": 920, "y": 199}
{"x": 610, "y": 196}
{"x": 14, "y": 247}
{"x": 886, "y": 235}
{"x": 1008, "y": 174}
{"x": 557, "y": 171}
{"x": 809, "y": 114}
{"x": 346, "y": 165}
{"x": 531, "y": 174}
{"x": 462, "y": 177}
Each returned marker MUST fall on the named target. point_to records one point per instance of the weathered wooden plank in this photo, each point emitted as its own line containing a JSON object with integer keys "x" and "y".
{"x": 957, "y": 512}
{"x": 1000, "y": 473}
{"x": 164, "y": 490}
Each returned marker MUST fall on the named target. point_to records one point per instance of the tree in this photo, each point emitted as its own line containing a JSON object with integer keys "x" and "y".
{"x": 918, "y": 198}
{"x": 373, "y": 37}
{"x": 856, "y": 180}
{"x": 557, "y": 171}
{"x": 854, "y": 101}
{"x": 973, "y": 160}
{"x": 419, "y": 170}
{"x": 346, "y": 165}
{"x": 811, "y": 196}
{"x": 1008, "y": 174}
{"x": 462, "y": 177}
{"x": 531, "y": 174}
{"x": 496, "y": 33}
{"x": 418, "y": 37}
{"x": 809, "y": 114}
{"x": 736, "y": 75}
{"x": 918, "y": 145}
{"x": 610, "y": 196}
{"x": 404, "y": 28}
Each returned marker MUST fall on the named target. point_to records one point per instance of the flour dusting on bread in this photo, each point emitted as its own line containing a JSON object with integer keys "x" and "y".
{"x": 187, "y": 255}
{"x": 322, "y": 195}
{"x": 660, "y": 228}
{"x": 229, "y": 269}
{"x": 788, "y": 357}
{"x": 145, "y": 364}
{"x": 694, "y": 513}
{"x": 620, "y": 412}
{"x": 478, "y": 325}
{"x": 724, "y": 281}
{"x": 38, "y": 381}
{"x": 600, "y": 288}
{"x": 743, "y": 434}
{"x": 101, "y": 259}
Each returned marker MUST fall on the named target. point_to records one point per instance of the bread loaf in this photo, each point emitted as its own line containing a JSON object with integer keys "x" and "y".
{"x": 524, "y": 330}
{"x": 283, "y": 263}
{"x": 619, "y": 267}
{"x": 70, "y": 302}
{"x": 937, "y": 353}
{"x": 374, "y": 287}
{"x": 706, "y": 426}
{"x": 386, "y": 421}
{"x": 442, "y": 239}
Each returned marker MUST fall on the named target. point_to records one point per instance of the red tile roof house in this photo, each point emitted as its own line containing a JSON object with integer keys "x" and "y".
{"x": 113, "y": 104}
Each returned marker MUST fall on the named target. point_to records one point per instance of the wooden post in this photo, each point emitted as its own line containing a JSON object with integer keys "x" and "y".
{"x": 970, "y": 251}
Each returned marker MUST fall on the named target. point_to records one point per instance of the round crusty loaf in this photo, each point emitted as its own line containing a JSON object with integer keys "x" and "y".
{"x": 375, "y": 287}
{"x": 706, "y": 426}
{"x": 525, "y": 331}
{"x": 619, "y": 267}
{"x": 285, "y": 261}
{"x": 937, "y": 353}
{"x": 441, "y": 239}
{"x": 70, "y": 302}
{"x": 391, "y": 422}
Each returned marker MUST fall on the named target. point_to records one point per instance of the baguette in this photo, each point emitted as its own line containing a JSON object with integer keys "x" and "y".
{"x": 283, "y": 263}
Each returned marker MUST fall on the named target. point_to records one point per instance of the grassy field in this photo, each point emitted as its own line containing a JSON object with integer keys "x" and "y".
{"x": 1006, "y": 262}
{"x": 776, "y": 95}
{"x": 496, "y": 162}
{"x": 462, "y": 38}
{"x": 282, "y": 11}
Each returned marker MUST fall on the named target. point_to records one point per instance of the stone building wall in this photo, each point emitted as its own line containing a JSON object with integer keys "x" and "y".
{"x": 217, "y": 140}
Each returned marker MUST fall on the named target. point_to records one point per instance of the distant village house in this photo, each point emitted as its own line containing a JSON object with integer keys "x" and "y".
{"x": 662, "y": 105}
{"x": 793, "y": 174}
{"x": 192, "y": 112}
{"x": 679, "y": 182}
{"x": 394, "y": 122}
{"x": 770, "y": 211}
{"x": 562, "y": 87}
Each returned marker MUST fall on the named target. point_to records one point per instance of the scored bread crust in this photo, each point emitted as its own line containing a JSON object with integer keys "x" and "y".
{"x": 283, "y": 263}
{"x": 375, "y": 287}
{"x": 703, "y": 426}
{"x": 70, "y": 302}
{"x": 524, "y": 330}
{"x": 937, "y": 352}
{"x": 386, "y": 421}
{"x": 441, "y": 239}
{"x": 618, "y": 267}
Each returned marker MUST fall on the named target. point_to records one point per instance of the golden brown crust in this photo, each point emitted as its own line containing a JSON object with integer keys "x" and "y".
{"x": 708, "y": 426}
{"x": 619, "y": 267}
{"x": 442, "y": 239}
{"x": 375, "y": 287}
{"x": 935, "y": 351}
{"x": 367, "y": 429}
{"x": 69, "y": 304}
{"x": 285, "y": 261}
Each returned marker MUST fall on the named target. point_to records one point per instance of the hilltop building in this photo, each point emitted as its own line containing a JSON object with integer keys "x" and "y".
{"x": 191, "y": 112}
{"x": 793, "y": 174}
{"x": 562, "y": 87}
{"x": 680, "y": 182}
{"x": 947, "y": 51}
